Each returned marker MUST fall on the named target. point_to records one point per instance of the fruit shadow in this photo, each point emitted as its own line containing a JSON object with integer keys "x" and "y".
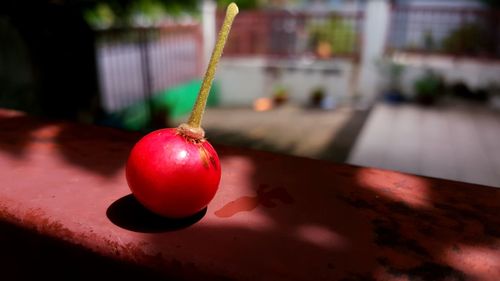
{"x": 128, "y": 213}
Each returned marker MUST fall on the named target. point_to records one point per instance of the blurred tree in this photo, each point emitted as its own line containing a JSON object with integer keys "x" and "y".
{"x": 338, "y": 35}
{"x": 105, "y": 13}
{"x": 58, "y": 51}
{"x": 492, "y": 3}
{"x": 469, "y": 39}
{"x": 256, "y": 4}
{"x": 100, "y": 16}
{"x": 16, "y": 80}
{"x": 242, "y": 4}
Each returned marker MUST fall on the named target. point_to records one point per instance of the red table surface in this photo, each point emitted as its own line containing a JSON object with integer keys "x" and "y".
{"x": 274, "y": 217}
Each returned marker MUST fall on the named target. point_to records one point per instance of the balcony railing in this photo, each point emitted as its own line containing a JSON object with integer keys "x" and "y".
{"x": 457, "y": 32}
{"x": 135, "y": 63}
{"x": 294, "y": 35}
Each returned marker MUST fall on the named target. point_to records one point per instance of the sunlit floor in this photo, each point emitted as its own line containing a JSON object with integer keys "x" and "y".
{"x": 457, "y": 141}
{"x": 289, "y": 129}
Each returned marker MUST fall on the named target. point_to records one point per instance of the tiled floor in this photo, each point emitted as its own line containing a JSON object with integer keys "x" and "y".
{"x": 459, "y": 142}
{"x": 290, "y": 129}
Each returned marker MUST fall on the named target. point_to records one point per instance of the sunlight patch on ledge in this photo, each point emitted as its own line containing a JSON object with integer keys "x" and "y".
{"x": 321, "y": 236}
{"x": 411, "y": 190}
{"x": 478, "y": 261}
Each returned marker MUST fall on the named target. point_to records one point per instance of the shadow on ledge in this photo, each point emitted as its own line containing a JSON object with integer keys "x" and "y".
{"x": 129, "y": 214}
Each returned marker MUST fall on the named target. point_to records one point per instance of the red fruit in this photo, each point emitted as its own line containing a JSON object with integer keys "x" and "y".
{"x": 176, "y": 172}
{"x": 173, "y": 175}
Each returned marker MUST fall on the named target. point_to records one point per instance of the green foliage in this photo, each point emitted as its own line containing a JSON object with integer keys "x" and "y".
{"x": 280, "y": 95}
{"x": 429, "y": 87}
{"x": 101, "y": 16}
{"x": 317, "y": 96}
{"x": 107, "y": 13}
{"x": 470, "y": 38}
{"x": 338, "y": 34}
{"x": 148, "y": 10}
{"x": 318, "y": 93}
{"x": 242, "y": 4}
{"x": 280, "y": 91}
{"x": 17, "y": 84}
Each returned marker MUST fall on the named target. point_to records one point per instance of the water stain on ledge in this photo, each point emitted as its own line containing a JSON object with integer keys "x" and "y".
{"x": 266, "y": 197}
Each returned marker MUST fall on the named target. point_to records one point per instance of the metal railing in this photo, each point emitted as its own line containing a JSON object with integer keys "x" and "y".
{"x": 135, "y": 63}
{"x": 293, "y": 35}
{"x": 457, "y": 32}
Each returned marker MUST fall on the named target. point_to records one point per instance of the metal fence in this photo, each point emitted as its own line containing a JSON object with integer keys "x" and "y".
{"x": 457, "y": 32}
{"x": 135, "y": 63}
{"x": 293, "y": 35}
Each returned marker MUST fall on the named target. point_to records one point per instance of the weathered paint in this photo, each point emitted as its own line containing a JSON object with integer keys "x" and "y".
{"x": 274, "y": 218}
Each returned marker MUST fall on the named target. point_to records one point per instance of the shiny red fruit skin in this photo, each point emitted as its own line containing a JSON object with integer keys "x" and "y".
{"x": 171, "y": 175}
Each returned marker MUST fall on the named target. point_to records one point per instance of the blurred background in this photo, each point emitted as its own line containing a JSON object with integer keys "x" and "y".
{"x": 406, "y": 85}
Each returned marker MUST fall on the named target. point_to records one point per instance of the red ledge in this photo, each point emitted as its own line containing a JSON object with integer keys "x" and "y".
{"x": 274, "y": 218}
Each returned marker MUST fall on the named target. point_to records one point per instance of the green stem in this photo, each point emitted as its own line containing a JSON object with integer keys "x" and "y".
{"x": 201, "y": 101}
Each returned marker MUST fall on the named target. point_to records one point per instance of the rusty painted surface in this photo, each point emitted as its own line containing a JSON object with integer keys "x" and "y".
{"x": 274, "y": 217}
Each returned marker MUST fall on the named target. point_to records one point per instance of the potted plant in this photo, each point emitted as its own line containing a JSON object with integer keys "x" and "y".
{"x": 317, "y": 96}
{"x": 392, "y": 72}
{"x": 280, "y": 95}
{"x": 331, "y": 37}
{"x": 428, "y": 88}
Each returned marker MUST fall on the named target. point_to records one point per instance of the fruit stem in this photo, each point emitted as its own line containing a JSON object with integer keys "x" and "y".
{"x": 201, "y": 101}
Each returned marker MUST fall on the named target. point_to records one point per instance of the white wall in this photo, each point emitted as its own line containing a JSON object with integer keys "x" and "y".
{"x": 242, "y": 80}
{"x": 377, "y": 16}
